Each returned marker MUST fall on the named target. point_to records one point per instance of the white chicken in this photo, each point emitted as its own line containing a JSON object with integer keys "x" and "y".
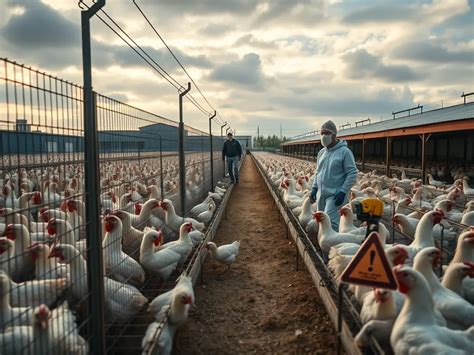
{"x": 119, "y": 265}
{"x": 456, "y": 310}
{"x": 225, "y": 254}
{"x": 423, "y": 237}
{"x": 45, "y": 267}
{"x": 465, "y": 253}
{"x": 11, "y": 316}
{"x": 176, "y": 305}
{"x": 174, "y": 221}
{"x": 35, "y": 292}
{"x": 328, "y": 238}
{"x": 64, "y": 233}
{"x": 162, "y": 262}
{"x": 132, "y": 237}
{"x": 454, "y": 276}
{"x": 122, "y": 301}
{"x": 415, "y": 330}
{"x": 206, "y": 216}
{"x": 183, "y": 245}
{"x": 346, "y": 224}
{"x": 6, "y": 254}
{"x": 184, "y": 283}
{"x": 202, "y": 207}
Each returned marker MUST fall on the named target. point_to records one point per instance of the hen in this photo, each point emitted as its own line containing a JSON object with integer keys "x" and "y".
{"x": 415, "y": 330}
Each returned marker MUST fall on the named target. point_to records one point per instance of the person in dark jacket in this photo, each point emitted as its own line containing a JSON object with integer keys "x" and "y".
{"x": 232, "y": 150}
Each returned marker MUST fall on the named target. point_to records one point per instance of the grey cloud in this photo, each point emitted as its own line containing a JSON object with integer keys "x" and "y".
{"x": 106, "y": 55}
{"x": 308, "y": 44}
{"x": 251, "y": 40}
{"x": 351, "y": 101}
{"x": 40, "y": 26}
{"x": 215, "y": 29}
{"x": 246, "y": 72}
{"x": 297, "y": 11}
{"x": 382, "y": 14}
{"x": 361, "y": 65}
{"x": 459, "y": 76}
{"x": 234, "y": 7}
{"x": 44, "y": 37}
{"x": 429, "y": 52}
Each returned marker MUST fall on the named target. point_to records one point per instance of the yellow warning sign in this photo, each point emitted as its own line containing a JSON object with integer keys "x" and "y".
{"x": 370, "y": 267}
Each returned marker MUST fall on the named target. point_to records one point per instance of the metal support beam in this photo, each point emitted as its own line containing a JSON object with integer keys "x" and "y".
{"x": 466, "y": 95}
{"x": 211, "y": 152}
{"x": 95, "y": 277}
{"x": 388, "y": 156}
{"x": 162, "y": 183}
{"x": 225, "y": 124}
{"x": 424, "y": 138}
{"x": 363, "y": 154}
{"x": 182, "y": 163}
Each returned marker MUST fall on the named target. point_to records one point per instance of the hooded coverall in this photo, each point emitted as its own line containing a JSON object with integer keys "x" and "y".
{"x": 336, "y": 171}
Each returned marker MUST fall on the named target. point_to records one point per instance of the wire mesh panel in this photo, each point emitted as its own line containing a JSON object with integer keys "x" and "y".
{"x": 43, "y": 289}
{"x": 43, "y": 243}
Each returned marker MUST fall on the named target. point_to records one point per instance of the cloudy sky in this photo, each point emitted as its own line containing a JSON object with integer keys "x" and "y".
{"x": 260, "y": 62}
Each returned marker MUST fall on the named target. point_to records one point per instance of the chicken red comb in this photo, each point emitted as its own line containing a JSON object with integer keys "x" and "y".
{"x": 9, "y": 232}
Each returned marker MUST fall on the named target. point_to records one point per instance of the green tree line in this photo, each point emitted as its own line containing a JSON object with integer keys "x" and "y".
{"x": 268, "y": 142}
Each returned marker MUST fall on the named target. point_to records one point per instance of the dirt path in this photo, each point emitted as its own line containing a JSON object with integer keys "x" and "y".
{"x": 262, "y": 305}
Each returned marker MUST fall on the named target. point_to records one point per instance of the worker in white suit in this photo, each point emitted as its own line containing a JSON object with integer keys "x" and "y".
{"x": 336, "y": 173}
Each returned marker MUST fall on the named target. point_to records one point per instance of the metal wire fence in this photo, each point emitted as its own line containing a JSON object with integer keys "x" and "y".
{"x": 43, "y": 244}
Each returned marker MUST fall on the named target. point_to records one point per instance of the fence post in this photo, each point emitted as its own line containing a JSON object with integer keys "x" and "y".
{"x": 225, "y": 124}
{"x": 182, "y": 164}
{"x": 162, "y": 184}
{"x": 211, "y": 151}
{"x": 95, "y": 277}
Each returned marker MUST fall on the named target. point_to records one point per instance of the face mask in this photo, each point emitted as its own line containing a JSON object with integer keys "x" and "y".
{"x": 326, "y": 139}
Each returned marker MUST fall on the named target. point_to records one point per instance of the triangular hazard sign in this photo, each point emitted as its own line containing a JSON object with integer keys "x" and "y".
{"x": 370, "y": 267}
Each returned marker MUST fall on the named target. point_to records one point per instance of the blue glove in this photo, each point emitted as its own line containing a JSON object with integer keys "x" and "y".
{"x": 314, "y": 191}
{"x": 339, "y": 198}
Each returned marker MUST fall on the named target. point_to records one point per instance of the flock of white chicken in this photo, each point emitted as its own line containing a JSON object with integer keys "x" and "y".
{"x": 43, "y": 273}
{"x": 429, "y": 313}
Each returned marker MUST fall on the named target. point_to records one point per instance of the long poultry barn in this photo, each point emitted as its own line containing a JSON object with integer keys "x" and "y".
{"x": 438, "y": 142}
{"x": 435, "y": 146}
{"x": 433, "y": 228}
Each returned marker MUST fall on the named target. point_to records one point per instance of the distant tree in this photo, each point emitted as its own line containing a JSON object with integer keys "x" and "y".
{"x": 269, "y": 142}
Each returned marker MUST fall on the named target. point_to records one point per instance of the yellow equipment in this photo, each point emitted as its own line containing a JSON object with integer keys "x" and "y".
{"x": 370, "y": 210}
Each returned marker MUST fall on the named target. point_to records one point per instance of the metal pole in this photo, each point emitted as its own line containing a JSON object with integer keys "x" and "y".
{"x": 339, "y": 320}
{"x": 95, "y": 277}
{"x": 211, "y": 149}
{"x": 225, "y": 124}
{"x": 388, "y": 156}
{"x": 227, "y": 130}
{"x": 423, "y": 158}
{"x": 182, "y": 166}
{"x": 441, "y": 247}
{"x": 162, "y": 184}
{"x": 363, "y": 154}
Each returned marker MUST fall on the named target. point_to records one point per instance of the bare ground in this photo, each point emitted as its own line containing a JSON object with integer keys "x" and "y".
{"x": 262, "y": 305}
